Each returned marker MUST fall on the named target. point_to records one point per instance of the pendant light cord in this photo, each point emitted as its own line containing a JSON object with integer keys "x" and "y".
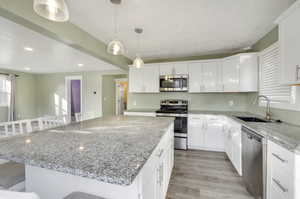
{"x": 115, "y": 20}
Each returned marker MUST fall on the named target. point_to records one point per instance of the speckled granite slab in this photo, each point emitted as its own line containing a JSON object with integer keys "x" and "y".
{"x": 112, "y": 149}
{"x": 286, "y": 135}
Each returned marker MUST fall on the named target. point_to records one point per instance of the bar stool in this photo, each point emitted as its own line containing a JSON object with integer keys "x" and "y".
{"x": 12, "y": 176}
{"x": 80, "y": 195}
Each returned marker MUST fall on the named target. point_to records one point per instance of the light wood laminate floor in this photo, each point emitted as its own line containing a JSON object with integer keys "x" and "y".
{"x": 205, "y": 175}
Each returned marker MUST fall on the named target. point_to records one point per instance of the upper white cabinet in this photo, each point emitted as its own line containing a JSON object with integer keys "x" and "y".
{"x": 240, "y": 73}
{"x": 173, "y": 69}
{"x": 144, "y": 80}
{"x": 205, "y": 77}
{"x": 237, "y": 73}
{"x": 289, "y": 39}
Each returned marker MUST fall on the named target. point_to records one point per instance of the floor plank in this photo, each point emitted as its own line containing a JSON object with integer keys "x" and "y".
{"x": 205, "y": 175}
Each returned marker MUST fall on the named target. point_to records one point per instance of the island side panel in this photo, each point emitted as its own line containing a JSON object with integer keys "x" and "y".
{"x": 49, "y": 184}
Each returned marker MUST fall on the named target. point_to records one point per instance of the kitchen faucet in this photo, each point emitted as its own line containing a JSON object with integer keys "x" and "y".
{"x": 268, "y": 109}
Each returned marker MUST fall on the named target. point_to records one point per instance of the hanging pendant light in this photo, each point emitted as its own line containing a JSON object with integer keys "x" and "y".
{"x": 115, "y": 46}
{"x": 54, "y": 10}
{"x": 138, "y": 62}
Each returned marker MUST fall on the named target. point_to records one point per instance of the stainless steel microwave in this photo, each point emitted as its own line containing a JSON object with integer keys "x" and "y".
{"x": 173, "y": 83}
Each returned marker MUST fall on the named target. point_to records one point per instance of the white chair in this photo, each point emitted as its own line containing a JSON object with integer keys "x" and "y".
{"x": 17, "y": 195}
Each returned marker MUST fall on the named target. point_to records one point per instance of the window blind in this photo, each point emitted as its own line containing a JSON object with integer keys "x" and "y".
{"x": 270, "y": 76}
{"x": 5, "y": 90}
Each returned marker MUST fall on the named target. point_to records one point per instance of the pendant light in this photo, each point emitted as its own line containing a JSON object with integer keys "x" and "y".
{"x": 53, "y": 10}
{"x": 138, "y": 62}
{"x": 115, "y": 46}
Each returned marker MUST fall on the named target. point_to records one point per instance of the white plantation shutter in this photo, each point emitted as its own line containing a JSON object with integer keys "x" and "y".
{"x": 5, "y": 90}
{"x": 270, "y": 76}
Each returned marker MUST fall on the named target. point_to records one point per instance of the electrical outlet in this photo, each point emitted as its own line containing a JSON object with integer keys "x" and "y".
{"x": 231, "y": 103}
{"x": 134, "y": 103}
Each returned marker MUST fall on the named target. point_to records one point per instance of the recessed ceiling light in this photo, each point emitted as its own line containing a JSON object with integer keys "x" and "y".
{"x": 80, "y": 65}
{"x": 28, "y": 49}
{"x": 27, "y": 68}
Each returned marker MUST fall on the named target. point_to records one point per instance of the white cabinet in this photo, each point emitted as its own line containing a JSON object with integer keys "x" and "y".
{"x": 156, "y": 173}
{"x": 233, "y": 143}
{"x": 144, "y": 80}
{"x": 206, "y": 132}
{"x": 240, "y": 73}
{"x": 282, "y": 173}
{"x": 289, "y": 31}
{"x": 173, "y": 69}
{"x": 147, "y": 114}
{"x": 205, "y": 77}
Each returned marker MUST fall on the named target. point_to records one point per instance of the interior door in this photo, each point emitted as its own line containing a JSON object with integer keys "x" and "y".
{"x": 210, "y": 76}
{"x": 230, "y": 71}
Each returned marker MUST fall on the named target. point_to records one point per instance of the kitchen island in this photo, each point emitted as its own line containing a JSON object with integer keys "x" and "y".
{"x": 112, "y": 157}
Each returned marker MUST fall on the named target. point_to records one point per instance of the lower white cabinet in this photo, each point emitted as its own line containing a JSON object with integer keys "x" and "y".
{"x": 233, "y": 143}
{"x": 206, "y": 132}
{"x": 216, "y": 133}
{"x": 156, "y": 173}
{"x": 283, "y": 175}
{"x": 147, "y": 114}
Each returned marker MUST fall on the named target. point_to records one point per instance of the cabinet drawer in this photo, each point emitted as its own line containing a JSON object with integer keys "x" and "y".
{"x": 281, "y": 158}
{"x": 275, "y": 193}
{"x": 284, "y": 182}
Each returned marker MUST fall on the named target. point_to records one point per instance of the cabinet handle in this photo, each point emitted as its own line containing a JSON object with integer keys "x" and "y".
{"x": 160, "y": 153}
{"x": 297, "y": 72}
{"x": 279, "y": 158}
{"x": 277, "y": 182}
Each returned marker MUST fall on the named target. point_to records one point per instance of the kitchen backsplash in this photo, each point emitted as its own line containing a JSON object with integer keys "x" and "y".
{"x": 207, "y": 101}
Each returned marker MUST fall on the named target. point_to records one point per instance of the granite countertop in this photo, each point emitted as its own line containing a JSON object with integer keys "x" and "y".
{"x": 142, "y": 110}
{"x": 109, "y": 149}
{"x": 284, "y": 134}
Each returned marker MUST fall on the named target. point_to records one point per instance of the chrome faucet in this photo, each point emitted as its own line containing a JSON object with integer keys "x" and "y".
{"x": 268, "y": 109}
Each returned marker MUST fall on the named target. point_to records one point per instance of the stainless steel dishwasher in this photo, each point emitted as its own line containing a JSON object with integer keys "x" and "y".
{"x": 254, "y": 163}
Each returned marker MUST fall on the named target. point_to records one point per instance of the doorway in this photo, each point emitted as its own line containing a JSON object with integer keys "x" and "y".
{"x": 74, "y": 96}
{"x": 121, "y": 95}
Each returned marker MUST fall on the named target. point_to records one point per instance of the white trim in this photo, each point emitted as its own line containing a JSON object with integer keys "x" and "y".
{"x": 68, "y": 94}
{"x": 288, "y": 12}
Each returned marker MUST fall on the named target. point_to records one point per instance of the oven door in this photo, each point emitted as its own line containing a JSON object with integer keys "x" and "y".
{"x": 173, "y": 83}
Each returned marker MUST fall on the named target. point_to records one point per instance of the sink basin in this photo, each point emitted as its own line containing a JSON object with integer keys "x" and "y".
{"x": 252, "y": 119}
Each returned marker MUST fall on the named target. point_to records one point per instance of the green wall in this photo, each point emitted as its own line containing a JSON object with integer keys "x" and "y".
{"x": 109, "y": 94}
{"x": 51, "y": 93}
{"x": 25, "y": 96}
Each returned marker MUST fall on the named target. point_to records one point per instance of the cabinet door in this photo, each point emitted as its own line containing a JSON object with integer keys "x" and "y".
{"x": 150, "y": 79}
{"x": 290, "y": 47}
{"x": 195, "y": 78}
{"x": 214, "y": 135}
{"x": 180, "y": 68}
{"x": 248, "y": 72}
{"x": 135, "y": 80}
{"x": 230, "y": 71}
{"x": 196, "y": 132}
{"x": 211, "y": 76}
{"x": 167, "y": 69}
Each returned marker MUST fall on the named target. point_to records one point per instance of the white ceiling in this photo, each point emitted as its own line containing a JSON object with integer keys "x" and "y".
{"x": 48, "y": 56}
{"x": 178, "y": 28}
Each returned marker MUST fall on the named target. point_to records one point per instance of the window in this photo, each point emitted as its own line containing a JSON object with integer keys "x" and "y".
{"x": 280, "y": 96}
{"x": 5, "y": 90}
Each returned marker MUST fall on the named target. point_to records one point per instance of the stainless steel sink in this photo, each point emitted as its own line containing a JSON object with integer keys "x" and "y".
{"x": 252, "y": 119}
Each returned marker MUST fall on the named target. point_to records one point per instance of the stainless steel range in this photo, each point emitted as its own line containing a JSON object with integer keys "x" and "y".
{"x": 179, "y": 110}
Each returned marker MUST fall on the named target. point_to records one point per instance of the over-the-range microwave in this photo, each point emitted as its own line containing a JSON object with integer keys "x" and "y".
{"x": 173, "y": 83}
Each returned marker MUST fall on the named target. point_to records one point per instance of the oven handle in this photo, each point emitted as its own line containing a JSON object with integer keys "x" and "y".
{"x": 171, "y": 115}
